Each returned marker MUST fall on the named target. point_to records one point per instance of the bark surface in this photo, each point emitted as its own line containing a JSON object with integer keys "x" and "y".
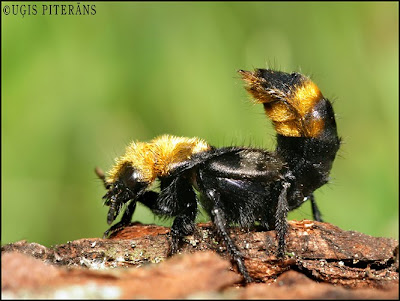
{"x": 322, "y": 261}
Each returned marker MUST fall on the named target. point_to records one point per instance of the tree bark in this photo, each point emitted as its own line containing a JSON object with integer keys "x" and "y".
{"x": 322, "y": 261}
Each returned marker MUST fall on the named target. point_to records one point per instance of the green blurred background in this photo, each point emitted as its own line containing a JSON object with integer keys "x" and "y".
{"x": 77, "y": 89}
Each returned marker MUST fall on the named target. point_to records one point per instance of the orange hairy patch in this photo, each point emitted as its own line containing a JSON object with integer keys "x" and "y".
{"x": 138, "y": 155}
{"x": 305, "y": 97}
{"x": 171, "y": 149}
{"x": 155, "y": 158}
{"x": 287, "y": 109}
{"x": 289, "y": 128}
{"x": 279, "y": 112}
{"x": 315, "y": 127}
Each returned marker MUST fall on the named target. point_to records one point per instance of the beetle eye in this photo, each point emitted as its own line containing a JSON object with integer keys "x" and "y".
{"x": 133, "y": 179}
{"x": 130, "y": 177}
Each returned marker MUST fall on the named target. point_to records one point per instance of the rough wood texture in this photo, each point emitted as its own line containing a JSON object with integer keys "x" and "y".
{"x": 319, "y": 255}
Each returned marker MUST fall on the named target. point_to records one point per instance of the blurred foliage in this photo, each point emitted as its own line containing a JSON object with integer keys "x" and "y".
{"x": 77, "y": 89}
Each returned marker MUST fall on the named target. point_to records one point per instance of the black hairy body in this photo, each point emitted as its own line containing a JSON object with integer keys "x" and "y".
{"x": 238, "y": 185}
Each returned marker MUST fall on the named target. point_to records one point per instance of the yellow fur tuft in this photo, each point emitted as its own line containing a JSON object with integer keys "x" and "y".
{"x": 156, "y": 158}
{"x": 287, "y": 109}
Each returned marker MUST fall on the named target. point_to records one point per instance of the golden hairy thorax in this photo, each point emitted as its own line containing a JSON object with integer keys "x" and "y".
{"x": 157, "y": 157}
{"x": 291, "y": 109}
